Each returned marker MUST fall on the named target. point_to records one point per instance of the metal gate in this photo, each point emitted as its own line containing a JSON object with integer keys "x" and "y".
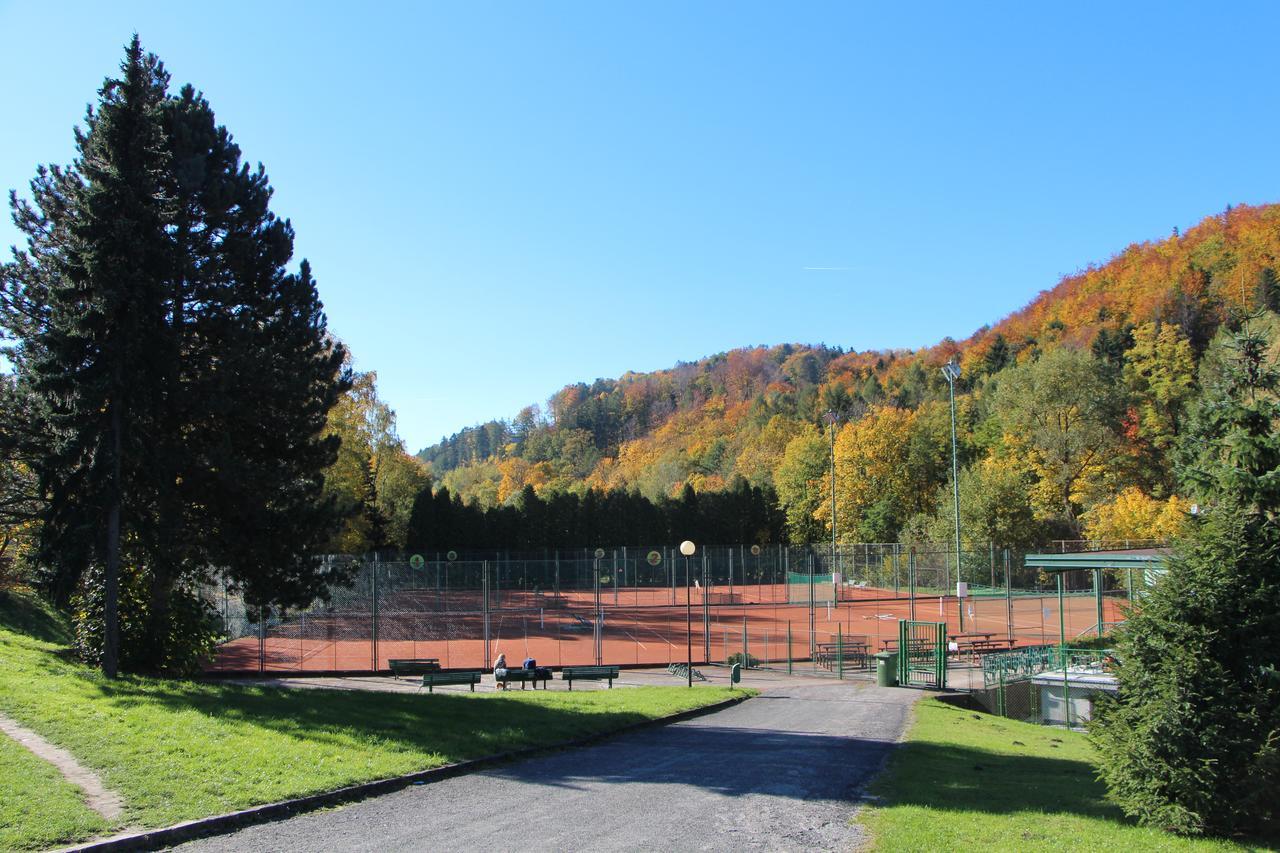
{"x": 922, "y": 654}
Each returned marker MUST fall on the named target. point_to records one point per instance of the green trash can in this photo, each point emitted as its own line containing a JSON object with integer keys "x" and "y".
{"x": 887, "y": 669}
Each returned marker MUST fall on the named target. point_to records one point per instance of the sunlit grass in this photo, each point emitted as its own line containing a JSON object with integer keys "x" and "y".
{"x": 179, "y": 750}
{"x": 970, "y": 781}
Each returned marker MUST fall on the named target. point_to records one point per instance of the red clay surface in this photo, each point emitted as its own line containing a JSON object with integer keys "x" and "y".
{"x": 643, "y": 627}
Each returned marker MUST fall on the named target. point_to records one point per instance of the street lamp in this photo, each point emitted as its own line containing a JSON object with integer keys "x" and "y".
{"x": 951, "y": 370}
{"x": 688, "y": 548}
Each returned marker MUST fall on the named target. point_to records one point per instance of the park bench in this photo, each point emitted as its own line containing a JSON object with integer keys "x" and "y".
{"x": 431, "y": 679}
{"x": 524, "y": 676}
{"x": 589, "y": 673}
{"x": 413, "y": 666}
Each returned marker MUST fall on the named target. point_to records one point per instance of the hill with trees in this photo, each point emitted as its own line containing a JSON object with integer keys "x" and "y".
{"x": 1070, "y": 412}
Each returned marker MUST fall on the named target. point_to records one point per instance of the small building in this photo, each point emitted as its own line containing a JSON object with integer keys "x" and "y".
{"x": 1067, "y": 695}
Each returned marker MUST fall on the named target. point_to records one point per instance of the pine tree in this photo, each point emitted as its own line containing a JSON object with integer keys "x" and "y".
{"x": 1192, "y": 741}
{"x": 178, "y": 377}
{"x": 84, "y": 302}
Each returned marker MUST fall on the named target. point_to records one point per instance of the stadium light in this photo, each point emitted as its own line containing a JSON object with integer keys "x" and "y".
{"x": 688, "y": 548}
{"x": 951, "y": 370}
{"x": 833, "y": 418}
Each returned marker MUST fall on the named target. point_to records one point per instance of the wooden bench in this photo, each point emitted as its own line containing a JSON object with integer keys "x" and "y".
{"x": 589, "y": 673}
{"x": 431, "y": 679}
{"x": 413, "y": 666}
{"x": 524, "y": 676}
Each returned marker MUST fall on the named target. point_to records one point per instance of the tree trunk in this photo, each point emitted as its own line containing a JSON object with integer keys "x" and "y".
{"x": 111, "y": 583}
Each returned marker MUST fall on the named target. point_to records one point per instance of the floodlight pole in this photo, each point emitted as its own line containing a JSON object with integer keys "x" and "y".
{"x": 833, "y": 418}
{"x": 951, "y": 370}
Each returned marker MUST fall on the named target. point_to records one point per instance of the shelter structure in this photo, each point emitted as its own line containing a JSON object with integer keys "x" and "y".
{"x": 1139, "y": 568}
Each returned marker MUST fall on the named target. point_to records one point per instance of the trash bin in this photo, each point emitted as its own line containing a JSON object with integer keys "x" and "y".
{"x": 887, "y": 669}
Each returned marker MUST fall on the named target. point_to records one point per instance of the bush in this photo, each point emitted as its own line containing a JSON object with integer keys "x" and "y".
{"x": 178, "y": 644}
{"x": 748, "y": 661}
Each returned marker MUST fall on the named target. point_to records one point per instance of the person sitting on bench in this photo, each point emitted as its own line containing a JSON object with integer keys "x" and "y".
{"x": 500, "y": 671}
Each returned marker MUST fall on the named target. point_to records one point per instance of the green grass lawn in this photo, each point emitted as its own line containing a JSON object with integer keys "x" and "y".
{"x": 970, "y": 781}
{"x": 179, "y": 750}
{"x": 37, "y": 807}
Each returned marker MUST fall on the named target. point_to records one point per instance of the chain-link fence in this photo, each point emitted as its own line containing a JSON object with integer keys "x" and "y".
{"x": 800, "y": 607}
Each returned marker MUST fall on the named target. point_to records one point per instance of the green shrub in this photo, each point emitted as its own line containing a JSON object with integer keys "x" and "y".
{"x": 178, "y": 642}
{"x": 748, "y": 661}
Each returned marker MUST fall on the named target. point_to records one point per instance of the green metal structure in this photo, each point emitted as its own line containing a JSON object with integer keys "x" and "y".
{"x": 1145, "y": 560}
{"x": 922, "y": 654}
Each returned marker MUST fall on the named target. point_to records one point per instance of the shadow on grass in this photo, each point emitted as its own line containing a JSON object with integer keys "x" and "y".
{"x": 727, "y": 760}
{"x": 456, "y": 727}
{"x": 25, "y": 613}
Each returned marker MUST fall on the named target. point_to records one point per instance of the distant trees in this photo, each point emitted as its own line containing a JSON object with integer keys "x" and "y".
{"x": 174, "y": 376}
{"x": 440, "y": 522}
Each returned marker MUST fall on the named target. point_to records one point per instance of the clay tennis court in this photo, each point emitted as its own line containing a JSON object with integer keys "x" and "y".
{"x": 639, "y": 626}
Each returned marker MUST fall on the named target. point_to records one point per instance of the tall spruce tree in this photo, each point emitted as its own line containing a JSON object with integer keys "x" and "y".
{"x": 83, "y": 304}
{"x": 178, "y": 376}
{"x": 1192, "y": 741}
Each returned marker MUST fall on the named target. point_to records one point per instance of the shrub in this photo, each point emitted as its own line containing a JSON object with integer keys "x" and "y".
{"x": 178, "y": 643}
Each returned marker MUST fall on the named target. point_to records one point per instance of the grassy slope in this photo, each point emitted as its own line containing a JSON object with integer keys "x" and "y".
{"x": 179, "y": 750}
{"x": 968, "y": 781}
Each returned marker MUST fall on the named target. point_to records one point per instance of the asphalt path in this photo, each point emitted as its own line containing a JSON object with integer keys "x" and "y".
{"x": 781, "y": 771}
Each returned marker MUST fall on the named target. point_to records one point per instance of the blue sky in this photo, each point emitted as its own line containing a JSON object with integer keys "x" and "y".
{"x": 500, "y": 199}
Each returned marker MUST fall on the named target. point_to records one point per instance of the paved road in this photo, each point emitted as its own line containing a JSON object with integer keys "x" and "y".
{"x": 778, "y": 772}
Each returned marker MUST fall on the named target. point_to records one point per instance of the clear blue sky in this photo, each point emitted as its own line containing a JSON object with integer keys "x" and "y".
{"x": 500, "y": 199}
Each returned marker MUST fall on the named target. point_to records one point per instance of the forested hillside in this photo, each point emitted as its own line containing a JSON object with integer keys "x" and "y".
{"x": 1070, "y": 411}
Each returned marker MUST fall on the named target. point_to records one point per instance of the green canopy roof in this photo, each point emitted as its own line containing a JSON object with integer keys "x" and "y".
{"x": 1132, "y": 558}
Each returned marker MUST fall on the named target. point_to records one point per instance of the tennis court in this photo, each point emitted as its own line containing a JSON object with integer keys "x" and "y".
{"x": 590, "y": 610}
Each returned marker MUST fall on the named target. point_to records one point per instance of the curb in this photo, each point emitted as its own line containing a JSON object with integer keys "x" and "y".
{"x": 152, "y": 839}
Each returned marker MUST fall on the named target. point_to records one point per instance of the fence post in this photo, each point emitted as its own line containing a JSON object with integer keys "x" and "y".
{"x": 1066, "y": 693}
{"x": 262, "y": 639}
{"x": 746, "y": 655}
{"x": 788, "y": 647}
{"x": 839, "y": 652}
{"x": 1097, "y": 595}
{"x": 706, "y": 613}
{"x": 484, "y": 607}
{"x": 1008, "y": 596}
{"x": 373, "y": 648}
{"x": 1062, "y": 621}
{"x": 911, "y": 583}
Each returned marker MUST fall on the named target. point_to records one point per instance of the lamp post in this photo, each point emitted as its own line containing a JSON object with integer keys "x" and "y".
{"x": 951, "y": 370}
{"x": 687, "y": 548}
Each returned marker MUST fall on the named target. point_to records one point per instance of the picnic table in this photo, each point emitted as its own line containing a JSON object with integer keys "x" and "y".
{"x": 854, "y": 651}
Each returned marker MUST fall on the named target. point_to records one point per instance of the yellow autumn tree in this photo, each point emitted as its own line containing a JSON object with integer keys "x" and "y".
{"x": 874, "y": 494}
{"x": 1133, "y": 514}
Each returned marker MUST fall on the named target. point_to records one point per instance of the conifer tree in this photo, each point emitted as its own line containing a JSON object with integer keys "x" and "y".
{"x": 179, "y": 377}
{"x": 1192, "y": 741}
{"x": 83, "y": 304}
